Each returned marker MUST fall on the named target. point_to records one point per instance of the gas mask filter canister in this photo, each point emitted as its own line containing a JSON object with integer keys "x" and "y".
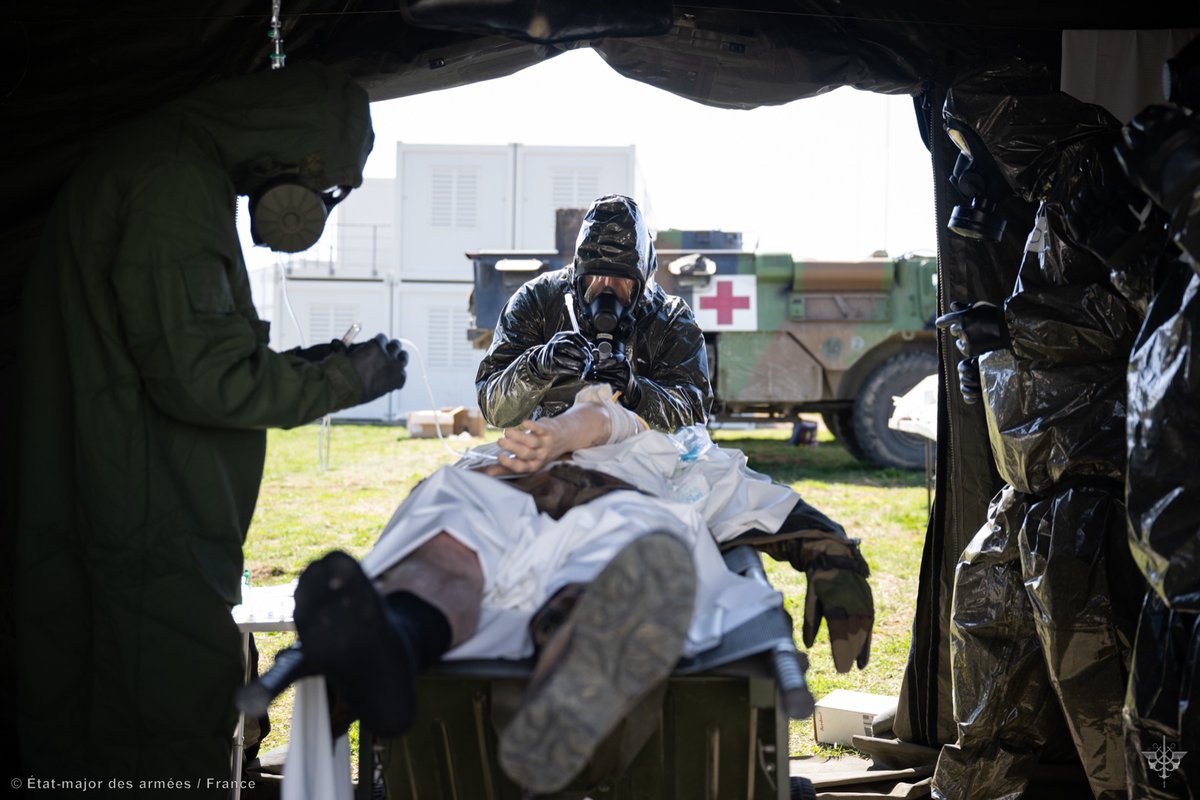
{"x": 289, "y": 217}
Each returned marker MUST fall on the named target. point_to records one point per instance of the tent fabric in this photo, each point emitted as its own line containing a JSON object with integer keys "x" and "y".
{"x": 75, "y": 70}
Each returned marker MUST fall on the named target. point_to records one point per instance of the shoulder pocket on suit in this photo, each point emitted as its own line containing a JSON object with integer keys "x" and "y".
{"x": 208, "y": 287}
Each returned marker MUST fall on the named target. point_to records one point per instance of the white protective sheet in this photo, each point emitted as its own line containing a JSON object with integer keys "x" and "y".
{"x": 703, "y": 495}
{"x": 527, "y": 556}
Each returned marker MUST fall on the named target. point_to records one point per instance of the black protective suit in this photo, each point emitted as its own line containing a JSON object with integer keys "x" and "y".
{"x": 662, "y": 343}
{"x": 1046, "y": 594}
{"x": 1161, "y": 151}
{"x": 147, "y": 385}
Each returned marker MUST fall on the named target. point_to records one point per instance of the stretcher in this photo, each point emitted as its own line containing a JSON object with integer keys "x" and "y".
{"x": 722, "y": 731}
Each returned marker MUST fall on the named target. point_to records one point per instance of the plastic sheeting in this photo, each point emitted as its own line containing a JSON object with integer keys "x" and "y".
{"x": 1044, "y": 593}
{"x": 1162, "y": 715}
{"x": 994, "y": 647}
{"x": 1040, "y": 618}
{"x": 1164, "y": 414}
{"x": 664, "y": 346}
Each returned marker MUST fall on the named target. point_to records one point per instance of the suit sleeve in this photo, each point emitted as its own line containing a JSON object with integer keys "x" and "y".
{"x": 507, "y": 389}
{"x": 675, "y": 388}
{"x": 182, "y": 295}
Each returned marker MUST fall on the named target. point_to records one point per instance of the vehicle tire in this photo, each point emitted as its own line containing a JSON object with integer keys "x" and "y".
{"x": 874, "y": 407}
{"x": 801, "y": 789}
{"x": 841, "y": 424}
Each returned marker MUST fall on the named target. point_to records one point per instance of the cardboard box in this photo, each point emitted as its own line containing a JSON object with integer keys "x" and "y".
{"x": 423, "y": 424}
{"x": 476, "y": 424}
{"x": 843, "y": 714}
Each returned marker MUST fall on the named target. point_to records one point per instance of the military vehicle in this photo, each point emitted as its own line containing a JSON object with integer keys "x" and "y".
{"x": 784, "y": 336}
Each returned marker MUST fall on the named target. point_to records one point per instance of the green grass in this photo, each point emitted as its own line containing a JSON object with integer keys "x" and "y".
{"x": 304, "y": 512}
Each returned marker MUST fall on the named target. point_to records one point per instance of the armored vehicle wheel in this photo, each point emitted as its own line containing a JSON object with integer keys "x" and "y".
{"x": 841, "y": 424}
{"x": 874, "y": 407}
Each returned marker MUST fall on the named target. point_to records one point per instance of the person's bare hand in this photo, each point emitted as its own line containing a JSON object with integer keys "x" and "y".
{"x": 533, "y": 445}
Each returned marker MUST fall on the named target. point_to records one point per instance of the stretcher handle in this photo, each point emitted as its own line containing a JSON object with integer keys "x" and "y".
{"x": 788, "y": 664}
{"x": 789, "y": 667}
{"x": 255, "y": 697}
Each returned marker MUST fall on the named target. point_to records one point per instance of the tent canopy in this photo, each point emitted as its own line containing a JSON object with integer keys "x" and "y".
{"x": 73, "y": 69}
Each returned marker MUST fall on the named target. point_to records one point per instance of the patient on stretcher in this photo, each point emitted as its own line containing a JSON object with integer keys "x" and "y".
{"x": 587, "y": 539}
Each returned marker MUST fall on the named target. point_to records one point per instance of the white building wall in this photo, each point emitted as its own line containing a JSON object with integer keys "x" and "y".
{"x": 550, "y": 178}
{"x": 325, "y": 308}
{"x": 400, "y": 268}
{"x": 434, "y": 317}
{"x": 366, "y": 228}
{"x": 451, "y": 199}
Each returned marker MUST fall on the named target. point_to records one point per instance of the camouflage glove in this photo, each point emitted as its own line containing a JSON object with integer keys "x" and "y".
{"x": 838, "y": 592}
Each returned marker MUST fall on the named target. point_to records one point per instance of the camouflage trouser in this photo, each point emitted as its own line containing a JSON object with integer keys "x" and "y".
{"x": 1039, "y": 627}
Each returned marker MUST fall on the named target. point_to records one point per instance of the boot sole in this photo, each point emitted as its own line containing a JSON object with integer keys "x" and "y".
{"x": 628, "y": 633}
{"x": 345, "y": 635}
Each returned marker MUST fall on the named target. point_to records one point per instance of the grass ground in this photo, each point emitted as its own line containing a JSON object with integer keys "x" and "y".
{"x": 304, "y": 512}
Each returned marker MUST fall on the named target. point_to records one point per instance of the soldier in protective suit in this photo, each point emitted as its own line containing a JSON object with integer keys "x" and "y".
{"x": 604, "y": 320}
{"x": 147, "y": 385}
{"x": 550, "y": 340}
{"x": 1160, "y": 150}
{"x": 1045, "y": 595}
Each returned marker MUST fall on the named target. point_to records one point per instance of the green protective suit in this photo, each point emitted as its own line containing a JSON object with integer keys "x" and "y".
{"x": 147, "y": 385}
{"x": 667, "y": 351}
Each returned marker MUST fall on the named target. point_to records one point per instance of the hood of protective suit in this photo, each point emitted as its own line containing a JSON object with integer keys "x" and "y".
{"x": 1024, "y": 122}
{"x": 614, "y": 240}
{"x": 306, "y": 119}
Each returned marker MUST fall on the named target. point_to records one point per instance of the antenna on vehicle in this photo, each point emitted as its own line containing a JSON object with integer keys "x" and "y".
{"x": 275, "y": 34}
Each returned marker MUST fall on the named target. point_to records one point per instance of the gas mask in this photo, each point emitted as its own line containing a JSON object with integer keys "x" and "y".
{"x": 606, "y": 312}
{"x": 978, "y": 180}
{"x": 287, "y": 216}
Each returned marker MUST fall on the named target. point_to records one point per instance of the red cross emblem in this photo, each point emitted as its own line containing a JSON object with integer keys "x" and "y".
{"x": 724, "y": 302}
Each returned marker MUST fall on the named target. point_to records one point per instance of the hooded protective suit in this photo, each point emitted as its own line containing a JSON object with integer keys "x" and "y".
{"x": 1161, "y": 152}
{"x": 663, "y": 344}
{"x": 147, "y": 385}
{"x": 1046, "y": 594}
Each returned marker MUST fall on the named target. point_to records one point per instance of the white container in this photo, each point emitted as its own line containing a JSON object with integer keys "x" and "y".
{"x": 843, "y": 714}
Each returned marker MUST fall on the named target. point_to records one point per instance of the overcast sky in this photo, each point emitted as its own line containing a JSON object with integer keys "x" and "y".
{"x": 836, "y": 176}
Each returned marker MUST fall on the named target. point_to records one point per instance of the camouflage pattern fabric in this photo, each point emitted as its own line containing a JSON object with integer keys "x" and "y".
{"x": 838, "y": 591}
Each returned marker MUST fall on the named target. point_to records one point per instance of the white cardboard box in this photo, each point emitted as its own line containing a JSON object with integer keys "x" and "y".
{"x": 843, "y": 714}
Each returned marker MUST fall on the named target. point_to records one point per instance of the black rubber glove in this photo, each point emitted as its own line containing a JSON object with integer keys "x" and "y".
{"x": 380, "y": 365}
{"x": 970, "y": 383}
{"x": 567, "y": 354}
{"x": 978, "y": 328}
{"x": 618, "y": 373}
{"x": 318, "y": 352}
{"x": 1160, "y": 151}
